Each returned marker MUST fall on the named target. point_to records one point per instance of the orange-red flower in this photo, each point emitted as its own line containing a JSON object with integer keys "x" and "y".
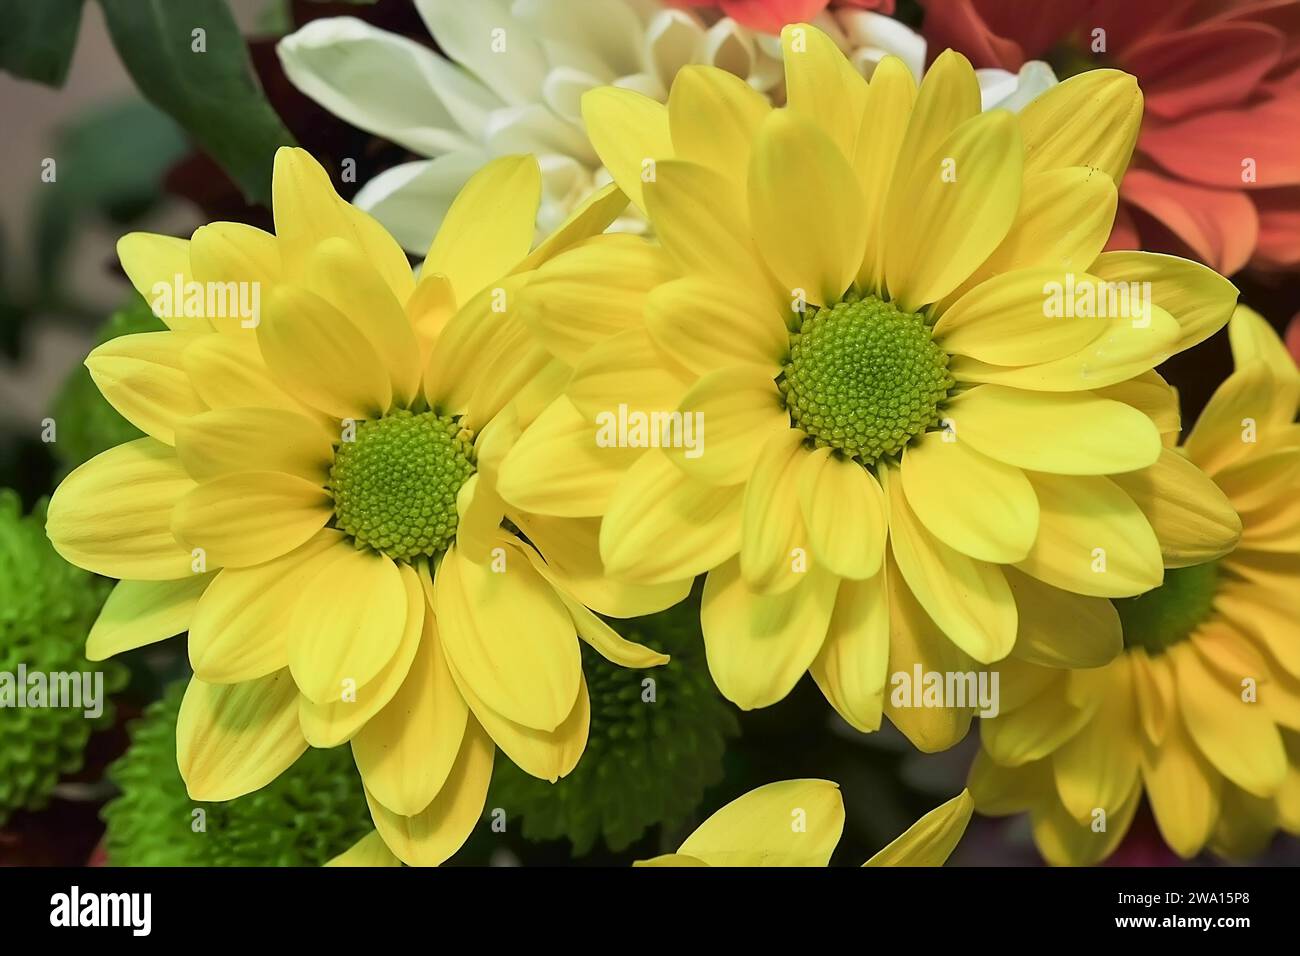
{"x": 1216, "y": 172}
{"x": 770, "y": 16}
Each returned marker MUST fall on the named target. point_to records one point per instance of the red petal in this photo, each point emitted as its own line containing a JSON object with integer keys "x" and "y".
{"x": 1219, "y": 226}
{"x": 1204, "y": 67}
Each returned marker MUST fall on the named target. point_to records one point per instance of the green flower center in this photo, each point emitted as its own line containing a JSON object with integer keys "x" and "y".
{"x": 864, "y": 377}
{"x": 1170, "y": 613}
{"x": 395, "y": 483}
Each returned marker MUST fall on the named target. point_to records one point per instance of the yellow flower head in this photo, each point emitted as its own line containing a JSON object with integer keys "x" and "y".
{"x": 1202, "y": 710}
{"x": 315, "y": 503}
{"x": 873, "y": 380}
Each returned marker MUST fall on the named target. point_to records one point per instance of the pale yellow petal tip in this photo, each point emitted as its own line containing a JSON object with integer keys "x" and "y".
{"x": 931, "y": 840}
{"x": 369, "y": 851}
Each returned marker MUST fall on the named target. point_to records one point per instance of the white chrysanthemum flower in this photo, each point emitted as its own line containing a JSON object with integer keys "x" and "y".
{"x": 513, "y": 77}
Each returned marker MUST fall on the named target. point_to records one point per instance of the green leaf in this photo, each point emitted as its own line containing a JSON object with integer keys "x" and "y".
{"x": 111, "y": 161}
{"x": 37, "y": 39}
{"x": 190, "y": 60}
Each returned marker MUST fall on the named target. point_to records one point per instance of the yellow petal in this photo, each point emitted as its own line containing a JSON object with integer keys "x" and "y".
{"x": 705, "y": 324}
{"x": 1236, "y": 736}
{"x": 557, "y": 468}
{"x": 1063, "y": 222}
{"x": 236, "y": 252}
{"x": 713, "y": 116}
{"x": 1253, "y": 339}
{"x": 917, "y": 642}
{"x": 406, "y": 751}
{"x": 429, "y": 309}
{"x": 571, "y": 548}
{"x": 440, "y": 829}
{"x": 240, "y": 629}
{"x": 689, "y": 527}
{"x": 1098, "y": 766}
{"x": 948, "y": 97}
{"x": 347, "y": 623}
{"x": 805, "y": 208}
{"x": 1091, "y": 119}
{"x": 308, "y": 211}
{"x": 980, "y": 507}
{"x": 790, "y": 823}
{"x": 337, "y": 721}
{"x": 758, "y": 646}
{"x": 321, "y": 358}
{"x": 1092, "y": 539}
{"x": 930, "y": 840}
{"x": 1238, "y": 416}
{"x": 228, "y": 440}
{"x": 489, "y": 226}
{"x": 246, "y": 518}
{"x": 968, "y": 599}
{"x": 589, "y": 218}
{"x": 545, "y": 754}
{"x": 844, "y": 510}
{"x": 821, "y": 85}
{"x": 885, "y": 114}
{"x": 1000, "y": 791}
{"x": 228, "y": 371}
{"x": 1155, "y": 398}
{"x": 604, "y": 639}
{"x": 1005, "y": 320}
{"x": 113, "y": 514}
{"x": 1069, "y": 434}
{"x": 142, "y": 376}
{"x": 850, "y": 667}
{"x": 339, "y": 273}
{"x": 1193, "y": 520}
{"x": 1183, "y": 790}
{"x": 670, "y": 860}
{"x": 773, "y": 538}
{"x": 232, "y": 739}
{"x": 472, "y": 341}
{"x": 625, "y": 374}
{"x": 144, "y": 612}
{"x": 1061, "y": 629}
{"x": 700, "y": 217}
{"x": 591, "y": 292}
{"x": 1198, "y": 297}
{"x": 1064, "y": 841}
{"x": 507, "y": 635}
{"x": 368, "y": 851}
{"x": 1123, "y": 347}
{"x": 972, "y": 176}
{"x": 156, "y": 265}
{"x": 733, "y": 412}
{"x": 1037, "y": 728}
{"x": 629, "y": 132}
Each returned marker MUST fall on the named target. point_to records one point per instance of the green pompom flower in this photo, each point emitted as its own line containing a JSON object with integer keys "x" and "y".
{"x": 656, "y": 743}
{"x": 86, "y": 424}
{"x": 46, "y": 609}
{"x": 312, "y": 812}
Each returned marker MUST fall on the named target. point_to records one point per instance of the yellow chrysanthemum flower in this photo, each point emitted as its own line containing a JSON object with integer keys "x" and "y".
{"x": 789, "y": 823}
{"x": 887, "y": 451}
{"x": 1202, "y": 710}
{"x": 315, "y": 503}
